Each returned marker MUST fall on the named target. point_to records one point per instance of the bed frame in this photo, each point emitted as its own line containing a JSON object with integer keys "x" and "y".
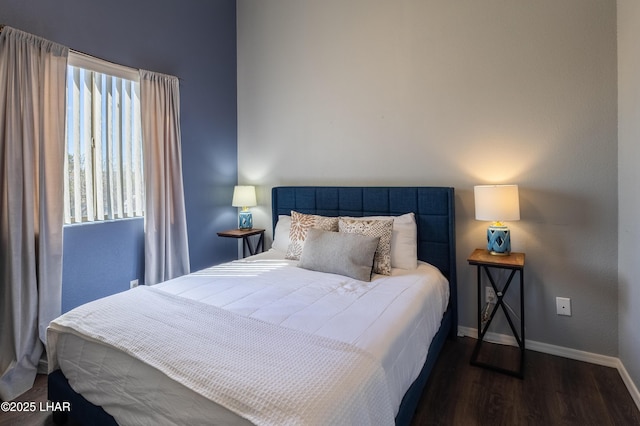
{"x": 435, "y": 217}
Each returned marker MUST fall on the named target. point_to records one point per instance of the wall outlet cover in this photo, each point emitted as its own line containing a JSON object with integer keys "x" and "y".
{"x": 490, "y": 295}
{"x": 563, "y": 306}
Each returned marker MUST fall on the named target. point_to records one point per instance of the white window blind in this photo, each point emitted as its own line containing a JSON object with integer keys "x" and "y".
{"x": 103, "y": 166}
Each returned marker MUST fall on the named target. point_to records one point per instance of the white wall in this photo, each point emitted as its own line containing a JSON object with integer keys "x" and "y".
{"x": 628, "y": 181}
{"x": 456, "y": 93}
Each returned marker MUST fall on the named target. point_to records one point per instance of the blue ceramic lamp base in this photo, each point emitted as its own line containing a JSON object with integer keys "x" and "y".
{"x": 499, "y": 240}
{"x": 245, "y": 220}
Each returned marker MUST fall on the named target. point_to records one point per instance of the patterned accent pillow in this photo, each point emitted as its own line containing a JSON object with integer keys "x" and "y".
{"x": 300, "y": 223}
{"x": 373, "y": 228}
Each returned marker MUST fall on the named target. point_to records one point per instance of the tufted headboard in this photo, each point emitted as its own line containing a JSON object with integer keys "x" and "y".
{"x": 432, "y": 206}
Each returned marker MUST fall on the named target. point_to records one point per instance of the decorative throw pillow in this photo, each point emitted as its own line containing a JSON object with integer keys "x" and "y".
{"x": 373, "y": 228}
{"x": 350, "y": 255}
{"x": 300, "y": 224}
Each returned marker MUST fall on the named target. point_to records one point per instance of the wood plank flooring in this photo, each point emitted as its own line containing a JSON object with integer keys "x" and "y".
{"x": 37, "y": 394}
{"x": 555, "y": 391}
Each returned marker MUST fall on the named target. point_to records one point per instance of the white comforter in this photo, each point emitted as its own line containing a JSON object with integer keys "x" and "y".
{"x": 392, "y": 318}
{"x": 267, "y": 374}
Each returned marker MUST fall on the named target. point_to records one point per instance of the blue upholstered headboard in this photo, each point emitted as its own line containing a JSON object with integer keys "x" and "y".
{"x": 432, "y": 206}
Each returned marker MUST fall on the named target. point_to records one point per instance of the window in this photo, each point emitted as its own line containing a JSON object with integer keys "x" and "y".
{"x": 103, "y": 153}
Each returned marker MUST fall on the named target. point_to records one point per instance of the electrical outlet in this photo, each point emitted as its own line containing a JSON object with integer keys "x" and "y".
{"x": 563, "y": 306}
{"x": 490, "y": 295}
{"x": 133, "y": 283}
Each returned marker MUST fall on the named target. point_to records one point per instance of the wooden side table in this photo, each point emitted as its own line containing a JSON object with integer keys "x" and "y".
{"x": 515, "y": 263}
{"x": 246, "y": 242}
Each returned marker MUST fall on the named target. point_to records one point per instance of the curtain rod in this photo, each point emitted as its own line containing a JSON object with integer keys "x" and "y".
{"x": 85, "y": 60}
{"x": 94, "y": 63}
{"x": 102, "y": 65}
{"x": 95, "y": 58}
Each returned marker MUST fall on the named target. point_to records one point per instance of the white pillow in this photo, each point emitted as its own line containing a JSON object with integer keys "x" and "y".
{"x": 404, "y": 240}
{"x": 281, "y": 234}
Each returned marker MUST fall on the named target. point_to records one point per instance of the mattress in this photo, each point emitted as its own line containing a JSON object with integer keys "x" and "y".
{"x": 393, "y": 318}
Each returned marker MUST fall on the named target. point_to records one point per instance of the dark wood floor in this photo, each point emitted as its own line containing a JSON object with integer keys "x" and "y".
{"x": 555, "y": 391}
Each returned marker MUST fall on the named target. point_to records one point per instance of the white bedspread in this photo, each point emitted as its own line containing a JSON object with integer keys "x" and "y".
{"x": 267, "y": 374}
{"x": 393, "y": 318}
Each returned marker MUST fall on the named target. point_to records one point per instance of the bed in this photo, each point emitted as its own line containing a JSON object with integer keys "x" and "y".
{"x": 433, "y": 211}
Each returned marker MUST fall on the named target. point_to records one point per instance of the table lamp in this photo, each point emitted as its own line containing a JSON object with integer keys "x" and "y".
{"x": 497, "y": 203}
{"x": 244, "y": 196}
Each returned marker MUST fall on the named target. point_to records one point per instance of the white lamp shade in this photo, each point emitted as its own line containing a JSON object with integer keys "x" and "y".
{"x": 497, "y": 203}
{"x": 244, "y": 196}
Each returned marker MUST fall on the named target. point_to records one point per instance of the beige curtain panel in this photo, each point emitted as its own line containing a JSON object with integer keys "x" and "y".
{"x": 32, "y": 120}
{"x": 166, "y": 243}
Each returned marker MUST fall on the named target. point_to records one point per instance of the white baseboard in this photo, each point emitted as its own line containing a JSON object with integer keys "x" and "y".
{"x": 607, "y": 361}
{"x": 633, "y": 389}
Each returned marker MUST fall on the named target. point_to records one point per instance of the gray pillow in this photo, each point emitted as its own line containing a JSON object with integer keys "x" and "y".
{"x": 350, "y": 255}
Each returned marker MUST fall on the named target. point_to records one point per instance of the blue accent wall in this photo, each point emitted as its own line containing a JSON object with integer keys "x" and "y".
{"x": 194, "y": 40}
{"x": 101, "y": 259}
